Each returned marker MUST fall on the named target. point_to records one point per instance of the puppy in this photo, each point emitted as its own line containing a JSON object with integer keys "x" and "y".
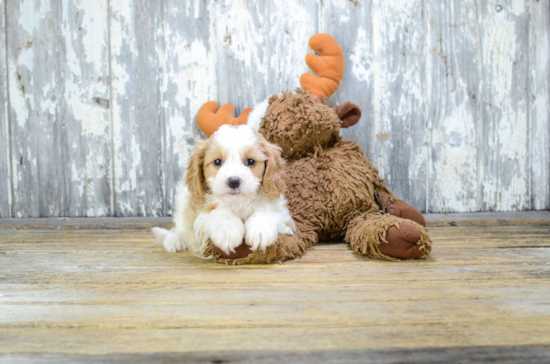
{"x": 233, "y": 190}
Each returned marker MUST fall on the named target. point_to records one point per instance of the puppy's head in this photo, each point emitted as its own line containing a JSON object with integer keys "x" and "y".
{"x": 236, "y": 161}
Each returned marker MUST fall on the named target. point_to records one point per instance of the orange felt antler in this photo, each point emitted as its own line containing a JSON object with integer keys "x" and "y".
{"x": 209, "y": 118}
{"x": 329, "y": 66}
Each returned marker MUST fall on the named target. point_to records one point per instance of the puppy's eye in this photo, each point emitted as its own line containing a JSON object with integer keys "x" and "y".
{"x": 218, "y": 162}
{"x": 250, "y": 162}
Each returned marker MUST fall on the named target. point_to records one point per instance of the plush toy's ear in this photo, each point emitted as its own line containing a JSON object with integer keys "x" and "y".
{"x": 209, "y": 118}
{"x": 329, "y": 66}
{"x": 348, "y": 113}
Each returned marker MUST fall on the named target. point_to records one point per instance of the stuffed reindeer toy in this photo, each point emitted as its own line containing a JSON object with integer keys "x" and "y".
{"x": 333, "y": 191}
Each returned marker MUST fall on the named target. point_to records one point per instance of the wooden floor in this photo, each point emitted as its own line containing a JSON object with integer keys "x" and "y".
{"x": 77, "y": 291}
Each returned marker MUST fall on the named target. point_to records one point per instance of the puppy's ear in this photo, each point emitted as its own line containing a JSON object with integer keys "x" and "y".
{"x": 274, "y": 173}
{"x": 194, "y": 179}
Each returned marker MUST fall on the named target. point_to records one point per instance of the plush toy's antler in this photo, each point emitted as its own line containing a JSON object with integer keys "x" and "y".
{"x": 329, "y": 66}
{"x": 209, "y": 118}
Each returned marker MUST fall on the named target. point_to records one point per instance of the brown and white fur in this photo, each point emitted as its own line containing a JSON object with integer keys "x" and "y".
{"x": 233, "y": 190}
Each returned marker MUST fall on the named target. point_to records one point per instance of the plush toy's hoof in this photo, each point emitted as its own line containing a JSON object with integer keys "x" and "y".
{"x": 241, "y": 251}
{"x": 405, "y": 211}
{"x": 402, "y": 242}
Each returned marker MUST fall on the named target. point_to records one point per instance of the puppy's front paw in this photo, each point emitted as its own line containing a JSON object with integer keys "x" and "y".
{"x": 174, "y": 243}
{"x": 285, "y": 230}
{"x": 259, "y": 235}
{"x": 227, "y": 236}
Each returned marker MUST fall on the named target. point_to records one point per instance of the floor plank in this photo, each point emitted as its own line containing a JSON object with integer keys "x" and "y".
{"x": 475, "y": 354}
{"x": 111, "y": 295}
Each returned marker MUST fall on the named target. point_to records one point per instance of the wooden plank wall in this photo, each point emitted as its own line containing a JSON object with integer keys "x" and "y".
{"x": 98, "y": 98}
{"x": 539, "y": 103}
{"x": 5, "y": 170}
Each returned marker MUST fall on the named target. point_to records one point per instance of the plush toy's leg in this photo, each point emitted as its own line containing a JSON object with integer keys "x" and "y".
{"x": 405, "y": 211}
{"x": 286, "y": 247}
{"x": 382, "y": 193}
{"x": 388, "y": 237}
{"x": 391, "y": 204}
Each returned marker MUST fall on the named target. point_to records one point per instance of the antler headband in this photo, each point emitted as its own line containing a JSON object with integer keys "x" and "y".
{"x": 329, "y": 67}
{"x": 209, "y": 118}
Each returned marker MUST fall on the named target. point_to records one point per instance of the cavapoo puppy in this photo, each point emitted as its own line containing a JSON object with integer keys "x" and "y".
{"x": 233, "y": 190}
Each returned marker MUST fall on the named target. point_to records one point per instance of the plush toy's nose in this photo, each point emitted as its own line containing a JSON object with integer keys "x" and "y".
{"x": 233, "y": 182}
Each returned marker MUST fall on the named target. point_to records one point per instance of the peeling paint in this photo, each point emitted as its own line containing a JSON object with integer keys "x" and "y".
{"x": 447, "y": 117}
{"x": 539, "y": 110}
{"x": 19, "y": 98}
{"x": 398, "y": 96}
{"x": 360, "y": 65}
{"x": 136, "y": 52}
{"x": 32, "y": 14}
{"x": 506, "y": 123}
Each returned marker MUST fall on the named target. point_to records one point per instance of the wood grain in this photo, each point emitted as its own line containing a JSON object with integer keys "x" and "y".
{"x": 98, "y": 99}
{"x": 67, "y": 293}
{"x": 38, "y": 136}
{"x": 85, "y": 105}
{"x": 531, "y": 218}
{"x": 398, "y": 41}
{"x": 260, "y": 48}
{"x": 136, "y": 40}
{"x": 504, "y": 135}
{"x": 5, "y": 140}
{"x": 539, "y": 80}
{"x": 59, "y": 108}
{"x": 453, "y": 94}
{"x": 187, "y": 83}
{"x": 516, "y": 354}
{"x": 351, "y": 25}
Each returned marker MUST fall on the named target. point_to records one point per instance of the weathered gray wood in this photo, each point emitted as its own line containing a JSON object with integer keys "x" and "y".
{"x": 517, "y": 218}
{"x": 504, "y": 135}
{"x": 58, "y": 73}
{"x": 260, "y": 48}
{"x": 539, "y": 73}
{"x": 350, "y": 22}
{"x": 5, "y": 164}
{"x": 519, "y": 354}
{"x": 399, "y": 50}
{"x": 521, "y": 218}
{"x": 98, "y": 223}
{"x": 84, "y": 78}
{"x": 453, "y": 97}
{"x": 188, "y": 81}
{"x": 136, "y": 42}
{"x": 34, "y": 91}
{"x": 96, "y": 293}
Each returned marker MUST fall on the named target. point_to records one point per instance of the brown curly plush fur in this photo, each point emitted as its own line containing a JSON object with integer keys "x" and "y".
{"x": 333, "y": 191}
{"x": 282, "y": 123}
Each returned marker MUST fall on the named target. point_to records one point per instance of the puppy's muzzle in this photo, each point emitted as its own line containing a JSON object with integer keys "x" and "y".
{"x": 233, "y": 182}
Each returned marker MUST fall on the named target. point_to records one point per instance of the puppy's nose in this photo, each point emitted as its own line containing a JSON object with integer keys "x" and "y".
{"x": 233, "y": 182}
